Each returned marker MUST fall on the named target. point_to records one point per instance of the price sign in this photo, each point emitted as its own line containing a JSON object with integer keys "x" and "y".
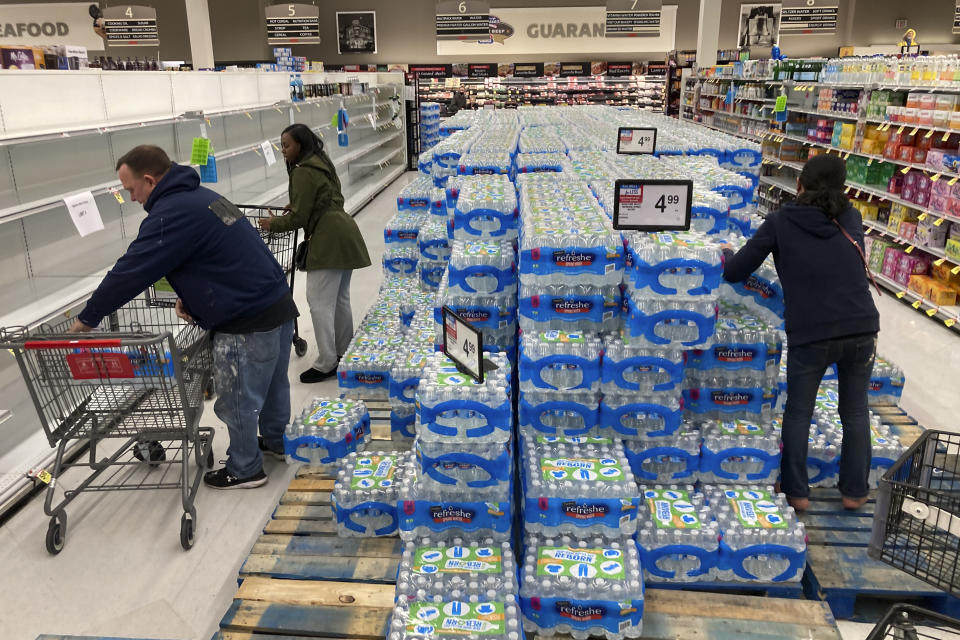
{"x": 636, "y": 141}
{"x": 652, "y": 205}
{"x": 463, "y": 344}
{"x": 292, "y": 24}
{"x": 131, "y": 26}
{"x": 467, "y": 20}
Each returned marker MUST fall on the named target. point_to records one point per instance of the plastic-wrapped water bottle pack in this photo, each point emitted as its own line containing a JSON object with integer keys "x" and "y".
{"x": 478, "y": 162}
{"x": 443, "y": 618}
{"x": 583, "y": 588}
{"x": 364, "y": 497}
{"x": 761, "y": 293}
{"x": 471, "y": 570}
{"x": 739, "y": 452}
{"x": 744, "y": 344}
{"x": 405, "y": 374}
{"x": 486, "y": 209}
{"x": 762, "y": 539}
{"x": 560, "y": 361}
{"x": 495, "y": 315}
{"x": 365, "y": 373}
{"x": 677, "y": 535}
{"x": 464, "y": 465}
{"x": 629, "y": 366}
{"x": 484, "y": 267}
{"x": 670, "y": 264}
{"x": 433, "y": 242}
{"x": 429, "y": 124}
{"x": 541, "y": 162}
{"x": 537, "y": 141}
{"x": 633, "y": 414}
{"x": 416, "y": 195}
{"x": 571, "y": 308}
{"x": 686, "y": 322}
{"x": 325, "y": 431}
{"x": 560, "y": 413}
{"x": 583, "y": 490}
{"x": 670, "y": 458}
{"x": 400, "y": 259}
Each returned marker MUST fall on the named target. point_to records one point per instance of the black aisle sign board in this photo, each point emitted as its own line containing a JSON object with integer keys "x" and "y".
{"x": 485, "y": 70}
{"x": 619, "y": 69}
{"x": 293, "y": 24}
{"x": 527, "y": 69}
{"x": 574, "y": 69}
{"x": 131, "y": 26}
{"x": 463, "y": 20}
{"x": 652, "y": 205}
{"x": 463, "y": 344}
{"x": 633, "y": 18}
{"x": 806, "y": 18}
{"x": 431, "y": 70}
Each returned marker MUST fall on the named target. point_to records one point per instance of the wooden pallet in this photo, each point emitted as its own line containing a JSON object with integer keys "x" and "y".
{"x": 900, "y": 422}
{"x": 840, "y": 572}
{"x": 759, "y": 589}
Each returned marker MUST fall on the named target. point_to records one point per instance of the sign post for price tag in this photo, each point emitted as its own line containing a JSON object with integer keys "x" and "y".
{"x": 636, "y": 140}
{"x": 463, "y": 344}
{"x": 652, "y": 205}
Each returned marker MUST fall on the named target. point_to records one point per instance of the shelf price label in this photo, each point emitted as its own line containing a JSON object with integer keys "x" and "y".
{"x": 463, "y": 344}
{"x": 636, "y": 141}
{"x": 955, "y": 270}
{"x": 931, "y": 312}
{"x": 916, "y": 304}
{"x": 652, "y": 205}
{"x": 949, "y": 322}
{"x": 939, "y": 262}
{"x": 900, "y": 294}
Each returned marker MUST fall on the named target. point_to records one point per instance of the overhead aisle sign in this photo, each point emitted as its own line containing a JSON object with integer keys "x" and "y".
{"x": 806, "y": 17}
{"x": 956, "y": 17}
{"x": 293, "y": 24}
{"x": 131, "y": 26}
{"x": 633, "y": 18}
{"x": 463, "y": 20}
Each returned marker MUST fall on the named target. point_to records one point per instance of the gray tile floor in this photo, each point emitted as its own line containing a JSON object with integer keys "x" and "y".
{"x": 123, "y": 573}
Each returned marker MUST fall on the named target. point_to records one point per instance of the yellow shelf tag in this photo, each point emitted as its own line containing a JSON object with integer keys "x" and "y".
{"x": 949, "y": 322}
{"x": 928, "y": 133}
{"x": 905, "y": 170}
{"x": 247, "y": 113}
{"x": 916, "y": 304}
{"x": 780, "y": 167}
{"x": 922, "y": 217}
{"x": 939, "y": 262}
{"x": 869, "y": 162}
{"x": 931, "y": 312}
{"x": 44, "y": 477}
{"x": 900, "y": 294}
{"x": 847, "y": 190}
{"x": 955, "y": 270}
{"x": 118, "y": 196}
{"x": 938, "y": 222}
{"x": 900, "y": 130}
{"x": 276, "y": 148}
{"x": 945, "y": 136}
{"x": 935, "y": 177}
{"x": 914, "y": 132}
{"x": 953, "y": 180}
{"x": 909, "y": 249}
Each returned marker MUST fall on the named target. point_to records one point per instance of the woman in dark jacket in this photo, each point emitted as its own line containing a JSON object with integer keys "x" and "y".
{"x": 335, "y": 247}
{"x": 817, "y": 245}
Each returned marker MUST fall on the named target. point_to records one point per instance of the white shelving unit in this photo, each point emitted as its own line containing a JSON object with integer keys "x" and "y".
{"x": 61, "y": 133}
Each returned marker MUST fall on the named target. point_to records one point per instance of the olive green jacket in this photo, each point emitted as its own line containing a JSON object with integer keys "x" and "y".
{"x": 316, "y": 203}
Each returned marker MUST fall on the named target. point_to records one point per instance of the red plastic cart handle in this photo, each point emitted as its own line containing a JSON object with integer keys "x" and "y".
{"x": 72, "y": 344}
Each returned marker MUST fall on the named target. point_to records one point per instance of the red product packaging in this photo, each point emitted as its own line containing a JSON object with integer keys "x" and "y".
{"x": 919, "y": 155}
{"x": 906, "y": 153}
{"x": 908, "y": 192}
{"x": 895, "y": 185}
{"x": 922, "y": 198}
{"x": 923, "y": 183}
{"x": 910, "y": 179}
{"x": 891, "y": 150}
{"x": 908, "y": 230}
{"x": 902, "y": 277}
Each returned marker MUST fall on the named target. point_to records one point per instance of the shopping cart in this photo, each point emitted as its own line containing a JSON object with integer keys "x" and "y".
{"x": 282, "y": 245}
{"x": 133, "y": 392}
{"x": 916, "y": 528}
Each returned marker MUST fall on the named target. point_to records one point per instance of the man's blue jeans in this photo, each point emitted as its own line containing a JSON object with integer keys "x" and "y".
{"x": 806, "y": 365}
{"x": 253, "y": 393}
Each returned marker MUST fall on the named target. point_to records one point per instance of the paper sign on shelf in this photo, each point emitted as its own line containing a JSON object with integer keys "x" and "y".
{"x": 84, "y": 213}
{"x": 268, "y": 154}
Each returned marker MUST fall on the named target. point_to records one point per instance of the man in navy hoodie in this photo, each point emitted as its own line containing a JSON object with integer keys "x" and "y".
{"x": 226, "y": 281}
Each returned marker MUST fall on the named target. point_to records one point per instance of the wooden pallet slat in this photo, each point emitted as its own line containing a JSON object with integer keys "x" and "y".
{"x": 255, "y": 616}
{"x": 328, "y": 546}
{"x": 301, "y": 527}
{"x": 373, "y": 570}
{"x": 757, "y": 589}
{"x": 301, "y": 592}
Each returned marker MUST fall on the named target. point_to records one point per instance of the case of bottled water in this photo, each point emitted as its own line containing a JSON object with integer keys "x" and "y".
{"x": 484, "y": 267}
{"x": 742, "y": 343}
{"x": 709, "y": 212}
{"x": 437, "y": 511}
{"x": 677, "y": 535}
{"x": 761, "y": 294}
{"x": 582, "y": 588}
{"x": 726, "y": 395}
{"x": 431, "y": 274}
{"x": 572, "y": 308}
{"x": 400, "y": 259}
{"x": 631, "y": 414}
{"x": 540, "y": 162}
{"x": 886, "y": 383}
{"x": 326, "y": 431}
{"x": 676, "y": 321}
{"x": 823, "y": 460}
{"x": 432, "y": 240}
{"x": 365, "y": 373}
{"x": 477, "y": 163}
{"x": 453, "y": 407}
{"x": 560, "y": 413}
{"x": 416, "y": 195}
{"x": 739, "y": 452}
{"x": 560, "y": 361}
{"x": 403, "y": 227}
{"x": 405, "y": 374}
{"x": 464, "y": 465}
{"x": 425, "y": 163}
{"x": 403, "y": 420}
{"x": 672, "y": 458}
{"x": 670, "y": 264}
{"x": 364, "y": 497}
{"x": 762, "y": 540}
{"x": 467, "y": 569}
{"x": 573, "y": 252}
{"x": 628, "y": 367}
{"x": 494, "y": 314}
{"x": 486, "y": 209}
{"x": 444, "y": 618}
{"x": 583, "y": 490}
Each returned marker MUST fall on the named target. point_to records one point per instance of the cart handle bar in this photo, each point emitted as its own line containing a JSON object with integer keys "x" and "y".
{"x": 260, "y": 207}
{"x": 72, "y": 344}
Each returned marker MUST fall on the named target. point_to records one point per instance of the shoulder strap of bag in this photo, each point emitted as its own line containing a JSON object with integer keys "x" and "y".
{"x": 863, "y": 258}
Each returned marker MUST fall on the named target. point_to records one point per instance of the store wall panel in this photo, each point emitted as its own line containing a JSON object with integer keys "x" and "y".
{"x": 8, "y": 196}
{"x": 49, "y": 168}
{"x": 13, "y": 264}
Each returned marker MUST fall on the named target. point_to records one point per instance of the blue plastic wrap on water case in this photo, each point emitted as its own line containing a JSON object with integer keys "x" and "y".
{"x": 712, "y": 462}
{"x": 481, "y": 317}
{"x": 738, "y": 196}
{"x": 582, "y": 614}
{"x": 530, "y": 369}
{"x": 763, "y": 292}
{"x": 464, "y": 220}
{"x": 720, "y": 218}
{"x": 400, "y": 266}
{"x": 433, "y": 276}
{"x": 824, "y": 469}
{"x": 364, "y": 380}
{"x": 530, "y": 415}
{"x": 458, "y": 277}
{"x": 637, "y": 458}
{"x": 392, "y": 236}
{"x": 731, "y": 560}
{"x": 413, "y": 204}
{"x": 641, "y": 324}
{"x": 570, "y": 308}
{"x": 403, "y": 424}
{"x": 498, "y": 469}
{"x": 885, "y": 386}
{"x": 466, "y": 515}
{"x": 612, "y": 418}
{"x": 335, "y": 450}
{"x": 580, "y": 512}
{"x": 614, "y": 371}
{"x": 570, "y": 260}
{"x": 645, "y": 275}
{"x": 496, "y": 417}
{"x": 649, "y": 557}
{"x": 428, "y": 248}
{"x": 345, "y": 517}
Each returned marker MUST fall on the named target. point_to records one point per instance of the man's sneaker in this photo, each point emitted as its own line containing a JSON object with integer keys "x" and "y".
{"x": 267, "y": 451}
{"x": 220, "y": 479}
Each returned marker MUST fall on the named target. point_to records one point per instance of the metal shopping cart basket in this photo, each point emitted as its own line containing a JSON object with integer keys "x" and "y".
{"x": 133, "y": 392}
{"x": 282, "y": 245}
{"x": 907, "y": 622}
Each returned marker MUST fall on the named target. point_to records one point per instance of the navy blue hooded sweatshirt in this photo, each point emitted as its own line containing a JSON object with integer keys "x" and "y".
{"x": 212, "y": 256}
{"x": 825, "y": 287}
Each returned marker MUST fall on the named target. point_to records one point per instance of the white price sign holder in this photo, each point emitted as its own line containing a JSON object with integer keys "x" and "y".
{"x": 652, "y": 205}
{"x": 636, "y": 140}
{"x": 463, "y": 344}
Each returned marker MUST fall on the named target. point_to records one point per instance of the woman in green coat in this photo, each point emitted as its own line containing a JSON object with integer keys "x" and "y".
{"x": 335, "y": 246}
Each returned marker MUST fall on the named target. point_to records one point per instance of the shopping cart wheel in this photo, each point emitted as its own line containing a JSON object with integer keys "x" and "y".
{"x": 152, "y": 450}
{"x": 300, "y": 347}
{"x": 186, "y": 531}
{"x": 56, "y": 534}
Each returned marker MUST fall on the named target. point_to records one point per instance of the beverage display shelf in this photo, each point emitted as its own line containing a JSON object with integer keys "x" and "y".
{"x": 784, "y": 184}
{"x": 739, "y": 134}
{"x": 949, "y": 315}
{"x": 839, "y": 115}
{"x": 909, "y": 244}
